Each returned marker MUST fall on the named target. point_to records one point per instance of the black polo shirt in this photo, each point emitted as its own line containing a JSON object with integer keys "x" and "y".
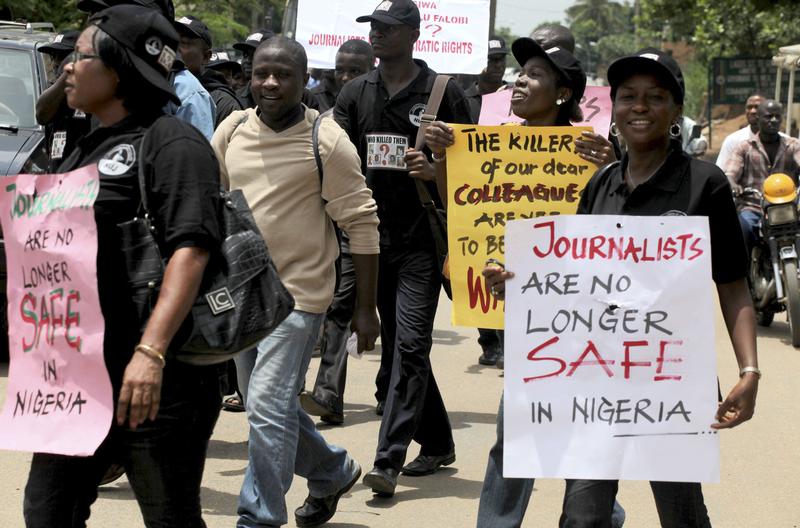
{"x": 64, "y": 131}
{"x": 182, "y": 176}
{"x": 325, "y": 95}
{"x": 475, "y": 100}
{"x": 382, "y": 128}
{"x": 683, "y": 186}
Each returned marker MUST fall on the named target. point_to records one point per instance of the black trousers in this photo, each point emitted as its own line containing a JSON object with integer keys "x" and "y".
{"x": 164, "y": 460}
{"x": 408, "y": 294}
{"x": 332, "y": 375}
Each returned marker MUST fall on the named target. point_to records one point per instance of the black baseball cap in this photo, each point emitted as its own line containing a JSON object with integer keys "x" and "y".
{"x": 648, "y": 60}
{"x": 193, "y": 27}
{"x": 220, "y": 59}
{"x": 253, "y": 40}
{"x": 149, "y": 41}
{"x": 564, "y": 62}
{"x": 497, "y": 46}
{"x": 165, "y": 7}
{"x": 63, "y": 44}
{"x": 394, "y": 12}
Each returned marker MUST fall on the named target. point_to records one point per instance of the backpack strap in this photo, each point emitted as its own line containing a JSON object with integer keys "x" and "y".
{"x": 315, "y": 142}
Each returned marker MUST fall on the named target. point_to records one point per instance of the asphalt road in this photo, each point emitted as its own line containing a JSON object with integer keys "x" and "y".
{"x": 760, "y": 482}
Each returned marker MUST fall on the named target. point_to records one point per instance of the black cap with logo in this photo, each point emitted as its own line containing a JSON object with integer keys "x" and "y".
{"x": 648, "y": 60}
{"x": 149, "y": 41}
{"x": 253, "y": 40}
{"x": 560, "y": 59}
{"x": 220, "y": 59}
{"x": 165, "y": 7}
{"x": 193, "y": 27}
{"x": 63, "y": 44}
{"x": 394, "y": 12}
{"x": 497, "y": 46}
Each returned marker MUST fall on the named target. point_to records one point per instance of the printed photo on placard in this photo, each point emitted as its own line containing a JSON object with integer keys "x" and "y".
{"x": 386, "y": 151}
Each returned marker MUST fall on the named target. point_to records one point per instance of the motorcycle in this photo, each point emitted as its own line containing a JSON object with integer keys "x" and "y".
{"x": 774, "y": 281}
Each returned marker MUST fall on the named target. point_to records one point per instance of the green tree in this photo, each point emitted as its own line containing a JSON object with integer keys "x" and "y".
{"x": 62, "y": 14}
{"x": 602, "y": 30}
{"x": 721, "y": 28}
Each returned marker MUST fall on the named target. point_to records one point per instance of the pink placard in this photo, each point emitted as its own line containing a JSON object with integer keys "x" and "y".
{"x": 596, "y": 106}
{"x": 58, "y": 398}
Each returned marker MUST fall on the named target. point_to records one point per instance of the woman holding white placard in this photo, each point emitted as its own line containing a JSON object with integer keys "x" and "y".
{"x": 656, "y": 178}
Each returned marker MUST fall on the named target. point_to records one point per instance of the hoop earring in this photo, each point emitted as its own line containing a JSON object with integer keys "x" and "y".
{"x": 613, "y": 130}
{"x": 675, "y": 130}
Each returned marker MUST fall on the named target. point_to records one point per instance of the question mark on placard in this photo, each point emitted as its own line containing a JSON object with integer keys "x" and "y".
{"x": 435, "y": 31}
{"x": 385, "y": 149}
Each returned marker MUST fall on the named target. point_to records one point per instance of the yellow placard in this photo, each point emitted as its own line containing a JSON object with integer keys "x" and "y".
{"x": 496, "y": 174}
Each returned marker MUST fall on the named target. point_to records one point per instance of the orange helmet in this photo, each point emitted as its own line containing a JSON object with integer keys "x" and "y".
{"x": 779, "y": 188}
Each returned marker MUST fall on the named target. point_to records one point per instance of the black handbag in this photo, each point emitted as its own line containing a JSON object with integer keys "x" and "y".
{"x": 242, "y": 298}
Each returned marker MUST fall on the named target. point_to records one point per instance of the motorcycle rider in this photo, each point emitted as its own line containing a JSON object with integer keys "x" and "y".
{"x": 752, "y": 161}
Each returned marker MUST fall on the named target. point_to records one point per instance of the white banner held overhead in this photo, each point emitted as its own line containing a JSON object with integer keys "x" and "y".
{"x": 454, "y": 34}
{"x": 609, "y": 343}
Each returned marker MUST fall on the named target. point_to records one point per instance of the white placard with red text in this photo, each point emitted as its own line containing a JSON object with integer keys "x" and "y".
{"x": 454, "y": 34}
{"x": 610, "y": 365}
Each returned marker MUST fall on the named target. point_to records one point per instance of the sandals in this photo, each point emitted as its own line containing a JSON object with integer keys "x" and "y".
{"x": 233, "y": 404}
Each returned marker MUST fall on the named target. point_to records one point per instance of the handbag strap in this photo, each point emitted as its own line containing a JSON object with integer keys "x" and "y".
{"x": 428, "y": 117}
{"x": 432, "y": 108}
{"x": 143, "y": 147}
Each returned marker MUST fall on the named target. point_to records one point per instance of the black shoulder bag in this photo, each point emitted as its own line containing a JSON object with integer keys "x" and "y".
{"x": 242, "y": 298}
{"x": 437, "y": 218}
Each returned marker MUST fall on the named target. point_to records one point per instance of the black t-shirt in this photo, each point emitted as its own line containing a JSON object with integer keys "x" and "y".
{"x": 382, "y": 128}
{"x": 63, "y": 133}
{"x": 475, "y": 100}
{"x": 182, "y": 177}
{"x": 683, "y": 186}
{"x": 325, "y": 95}
{"x": 224, "y": 97}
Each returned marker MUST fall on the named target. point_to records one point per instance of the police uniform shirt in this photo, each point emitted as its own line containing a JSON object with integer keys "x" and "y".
{"x": 683, "y": 186}
{"x": 182, "y": 177}
{"x": 382, "y": 128}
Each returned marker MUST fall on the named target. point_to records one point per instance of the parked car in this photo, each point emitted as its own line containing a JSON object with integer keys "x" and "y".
{"x": 24, "y": 74}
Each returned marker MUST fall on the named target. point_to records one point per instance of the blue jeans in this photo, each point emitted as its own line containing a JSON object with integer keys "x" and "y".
{"x": 587, "y": 503}
{"x": 163, "y": 459}
{"x": 283, "y": 440}
{"x": 749, "y": 222}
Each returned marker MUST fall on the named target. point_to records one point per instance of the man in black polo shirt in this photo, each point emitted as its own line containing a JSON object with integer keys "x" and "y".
{"x": 490, "y": 79}
{"x": 248, "y": 48}
{"x": 381, "y": 112}
{"x": 63, "y": 125}
{"x": 354, "y": 58}
{"x": 195, "y": 48}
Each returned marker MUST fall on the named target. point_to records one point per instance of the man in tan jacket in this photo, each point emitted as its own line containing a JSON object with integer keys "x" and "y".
{"x": 268, "y": 153}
